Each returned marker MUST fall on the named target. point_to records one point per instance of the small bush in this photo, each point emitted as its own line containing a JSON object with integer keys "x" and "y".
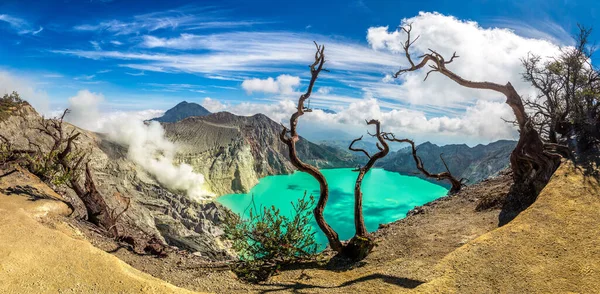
{"x": 9, "y": 103}
{"x": 47, "y": 167}
{"x": 267, "y": 239}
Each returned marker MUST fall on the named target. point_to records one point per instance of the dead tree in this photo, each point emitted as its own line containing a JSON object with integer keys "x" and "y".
{"x": 64, "y": 153}
{"x": 359, "y": 222}
{"x": 290, "y": 138}
{"x": 533, "y": 162}
{"x": 447, "y": 175}
{"x": 566, "y": 110}
{"x": 9, "y": 156}
{"x": 361, "y": 245}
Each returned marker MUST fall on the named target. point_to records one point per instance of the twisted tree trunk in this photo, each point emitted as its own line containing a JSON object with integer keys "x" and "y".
{"x": 359, "y": 222}
{"x": 362, "y": 244}
{"x": 532, "y": 161}
{"x": 292, "y": 139}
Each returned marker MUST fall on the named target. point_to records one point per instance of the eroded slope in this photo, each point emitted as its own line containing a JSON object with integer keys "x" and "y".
{"x": 552, "y": 247}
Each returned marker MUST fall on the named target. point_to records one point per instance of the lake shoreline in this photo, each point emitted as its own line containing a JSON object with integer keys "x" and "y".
{"x": 388, "y": 196}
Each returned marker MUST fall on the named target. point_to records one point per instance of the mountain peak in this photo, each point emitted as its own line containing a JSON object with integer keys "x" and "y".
{"x": 181, "y": 111}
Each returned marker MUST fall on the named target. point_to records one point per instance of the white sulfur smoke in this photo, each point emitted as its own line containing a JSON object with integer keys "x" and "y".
{"x": 147, "y": 146}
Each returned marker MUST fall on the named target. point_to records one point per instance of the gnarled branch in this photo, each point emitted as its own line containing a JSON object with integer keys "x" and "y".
{"x": 359, "y": 222}
{"x": 447, "y": 175}
{"x": 532, "y": 165}
{"x": 290, "y": 137}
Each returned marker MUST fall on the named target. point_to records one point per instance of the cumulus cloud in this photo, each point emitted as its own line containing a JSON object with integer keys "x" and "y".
{"x": 284, "y": 84}
{"x": 438, "y": 108}
{"x": 486, "y": 54}
{"x": 147, "y": 144}
{"x": 480, "y": 123}
{"x": 278, "y": 111}
{"x": 25, "y": 86}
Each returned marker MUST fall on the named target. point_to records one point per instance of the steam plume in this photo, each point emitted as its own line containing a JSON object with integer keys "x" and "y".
{"x": 147, "y": 144}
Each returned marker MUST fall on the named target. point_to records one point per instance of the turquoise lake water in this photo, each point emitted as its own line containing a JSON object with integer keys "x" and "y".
{"x": 387, "y": 197}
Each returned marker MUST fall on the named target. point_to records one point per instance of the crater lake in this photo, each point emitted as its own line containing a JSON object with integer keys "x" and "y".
{"x": 387, "y": 197}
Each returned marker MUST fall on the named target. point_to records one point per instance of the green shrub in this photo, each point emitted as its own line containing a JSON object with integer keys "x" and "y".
{"x": 47, "y": 167}
{"x": 268, "y": 239}
{"x": 9, "y": 103}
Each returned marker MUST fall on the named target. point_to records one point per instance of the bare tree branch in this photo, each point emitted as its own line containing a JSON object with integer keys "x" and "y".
{"x": 290, "y": 137}
{"x": 532, "y": 166}
{"x": 447, "y": 175}
{"x": 359, "y": 222}
{"x": 358, "y": 149}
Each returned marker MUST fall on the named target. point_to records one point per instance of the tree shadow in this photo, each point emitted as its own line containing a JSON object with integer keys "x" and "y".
{"x": 297, "y": 286}
{"x": 32, "y": 193}
{"x": 336, "y": 264}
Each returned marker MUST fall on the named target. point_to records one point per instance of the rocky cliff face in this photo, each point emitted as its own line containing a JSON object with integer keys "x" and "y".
{"x": 474, "y": 164}
{"x": 233, "y": 152}
{"x": 155, "y": 210}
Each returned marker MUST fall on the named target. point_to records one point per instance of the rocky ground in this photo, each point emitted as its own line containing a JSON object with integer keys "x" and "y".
{"x": 452, "y": 245}
{"x": 406, "y": 256}
{"x": 40, "y": 252}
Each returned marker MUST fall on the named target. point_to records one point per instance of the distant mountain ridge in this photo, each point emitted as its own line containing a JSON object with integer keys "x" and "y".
{"x": 233, "y": 152}
{"x": 472, "y": 163}
{"x": 182, "y": 110}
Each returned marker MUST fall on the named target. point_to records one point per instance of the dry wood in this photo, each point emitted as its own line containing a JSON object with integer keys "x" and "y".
{"x": 359, "y": 221}
{"x": 447, "y": 175}
{"x": 290, "y": 138}
{"x": 531, "y": 161}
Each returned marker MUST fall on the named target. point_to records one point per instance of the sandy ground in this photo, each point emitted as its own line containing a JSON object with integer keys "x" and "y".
{"x": 443, "y": 247}
{"x": 36, "y": 256}
{"x": 552, "y": 247}
{"x": 405, "y": 258}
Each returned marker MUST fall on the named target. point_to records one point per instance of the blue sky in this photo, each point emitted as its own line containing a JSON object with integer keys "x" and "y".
{"x": 140, "y": 55}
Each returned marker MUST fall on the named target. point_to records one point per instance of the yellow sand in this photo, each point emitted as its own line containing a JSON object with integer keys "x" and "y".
{"x": 37, "y": 259}
{"x": 552, "y": 247}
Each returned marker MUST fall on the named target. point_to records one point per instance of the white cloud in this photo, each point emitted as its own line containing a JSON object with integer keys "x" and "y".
{"x": 21, "y": 26}
{"x": 227, "y": 53}
{"x": 25, "y": 86}
{"x": 284, "y": 84}
{"x": 188, "y": 19}
{"x": 96, "y": 45}
{"x": 486, "y": 54}
{"x": 438, "y": 108}
{"x": 278, "y": 111}
{"x": 136, "y": 74}
{"x": 52, "y": 76}
{"x": 324, "y": 90}
{"x": 480, "y": 123}
{"x": 84, "y": 109}
{"x": 85, "y": 77}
